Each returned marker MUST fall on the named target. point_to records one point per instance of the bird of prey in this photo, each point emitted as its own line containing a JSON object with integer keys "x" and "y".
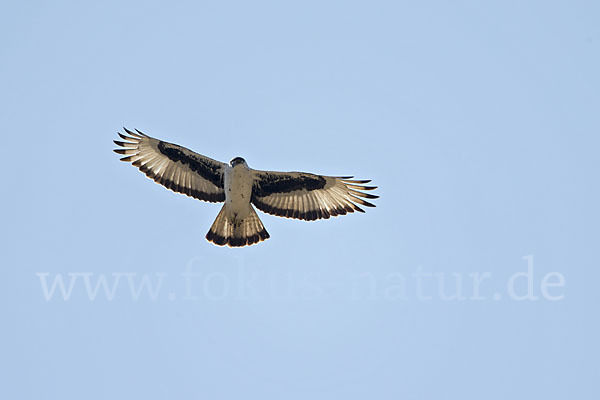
{"x": 297, "y": 195}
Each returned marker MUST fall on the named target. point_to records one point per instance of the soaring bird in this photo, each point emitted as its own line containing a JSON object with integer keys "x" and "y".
{"x": 297, "y": 195}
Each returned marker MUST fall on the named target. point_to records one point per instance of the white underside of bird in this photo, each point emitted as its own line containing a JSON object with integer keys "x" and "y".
{"x": 238, "y": 191}
{"x": 237, "y": 223}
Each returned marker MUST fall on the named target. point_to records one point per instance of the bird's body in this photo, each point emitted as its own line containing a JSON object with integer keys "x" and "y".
{"x": 238, "y": 190}
{"x": 297, "y": 195}
{"x": 237, "y": 223}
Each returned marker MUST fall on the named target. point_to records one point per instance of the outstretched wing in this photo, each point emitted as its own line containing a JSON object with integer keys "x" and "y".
{"x": 307, "y": 196}
{"x": 173, "y": 166}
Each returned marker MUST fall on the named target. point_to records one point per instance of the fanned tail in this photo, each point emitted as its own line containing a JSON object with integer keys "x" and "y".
{"x": 241, "y": 233}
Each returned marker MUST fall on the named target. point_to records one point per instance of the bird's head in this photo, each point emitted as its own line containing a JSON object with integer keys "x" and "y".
{"x": 238, "y": 160}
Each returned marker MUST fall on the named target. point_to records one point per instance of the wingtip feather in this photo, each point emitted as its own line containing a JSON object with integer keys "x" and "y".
{"x": 137, "y": 134}
{"x": 124, "y": 137}
{"x": 124, "y": 144}
{"x": 356, "y": 181}
{"x": 357, "y": 208}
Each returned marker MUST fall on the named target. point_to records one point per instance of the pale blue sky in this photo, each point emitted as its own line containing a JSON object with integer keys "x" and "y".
{"x": 477, "y": 120}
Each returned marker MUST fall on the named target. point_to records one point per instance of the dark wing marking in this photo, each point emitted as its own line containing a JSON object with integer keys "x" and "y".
{"x": 174, "y": 167}
{"x": 307, "y": 196}
{"x": 270, "y": 183}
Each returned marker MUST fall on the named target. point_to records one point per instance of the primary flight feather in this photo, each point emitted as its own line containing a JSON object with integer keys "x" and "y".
{"x": 297, "y": 195}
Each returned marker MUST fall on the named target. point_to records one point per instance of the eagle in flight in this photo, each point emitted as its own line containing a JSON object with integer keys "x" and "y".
{"x": 297, "y": 195}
